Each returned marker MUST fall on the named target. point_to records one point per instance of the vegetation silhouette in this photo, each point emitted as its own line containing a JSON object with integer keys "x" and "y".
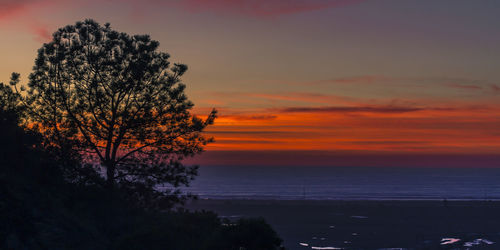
{"x": 115, "y": 100}
{"x": 51, "y": 195}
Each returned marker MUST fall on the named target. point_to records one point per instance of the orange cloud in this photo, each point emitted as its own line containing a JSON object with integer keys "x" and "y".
{"x": 428, "y": 130}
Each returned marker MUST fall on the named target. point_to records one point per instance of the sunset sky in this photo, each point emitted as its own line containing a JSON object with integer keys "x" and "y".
{"x": 320, "y": 82}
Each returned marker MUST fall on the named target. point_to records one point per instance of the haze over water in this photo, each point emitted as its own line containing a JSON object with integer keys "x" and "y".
{"x": 350, "y": 183}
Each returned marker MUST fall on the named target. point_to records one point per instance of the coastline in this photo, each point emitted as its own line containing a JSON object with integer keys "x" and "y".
{"x": 369, "y": 224}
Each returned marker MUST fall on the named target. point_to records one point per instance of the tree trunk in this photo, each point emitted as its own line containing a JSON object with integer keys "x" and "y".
{"x": 110, "y": 175}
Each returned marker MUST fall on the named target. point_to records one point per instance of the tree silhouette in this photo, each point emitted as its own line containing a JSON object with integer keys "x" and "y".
{"x": 118, "y": 101}
{"x": 9, "y": 120}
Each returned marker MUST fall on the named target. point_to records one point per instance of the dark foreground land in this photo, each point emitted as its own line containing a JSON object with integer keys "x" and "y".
{"x": 309, "y": 224}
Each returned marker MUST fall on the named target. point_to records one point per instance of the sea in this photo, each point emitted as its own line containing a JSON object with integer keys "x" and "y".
{"x": 345, "y": 183}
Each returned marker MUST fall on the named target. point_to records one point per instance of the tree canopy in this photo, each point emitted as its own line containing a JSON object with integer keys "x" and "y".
{"x": 119, "y": 103}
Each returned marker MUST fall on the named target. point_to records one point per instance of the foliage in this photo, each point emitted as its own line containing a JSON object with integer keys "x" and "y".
{"x": 200, "y": 230}
{"x": 114, "y": 99}
{"x": 246, "y": 233}
{"x": 29, "y": 178}
{"x": 40, "y": 210}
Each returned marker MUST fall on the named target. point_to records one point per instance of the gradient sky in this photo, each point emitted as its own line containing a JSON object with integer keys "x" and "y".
{"x": 343, "y": 82}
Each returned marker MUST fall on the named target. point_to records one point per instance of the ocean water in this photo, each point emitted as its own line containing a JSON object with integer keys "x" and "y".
{"x": 342, "y": 183}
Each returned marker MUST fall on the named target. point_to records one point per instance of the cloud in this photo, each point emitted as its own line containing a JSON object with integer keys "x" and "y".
{"x": 387, "y": 109}
{"x": 9, "y": 8}
{"x": 283, "y": 98}
{"x": 302, "y": 97}
{"x": 451, "y": 82}
{"x": 249, "y": 117}
{"x": 22, "y": 12}
{"x": 464, "y": 86}
{"x": 360, "y": 79}
{"x": 263, "y": 8}
{"x": 360, "y": 109}
{"x": 495, "y": 88}
{"x": 248, "y": 132}
{"x": 41, "y": 32}
{"x": 288, "y": 158}
{"x": 239, "y": 141}
{"x": 393, "y": 142}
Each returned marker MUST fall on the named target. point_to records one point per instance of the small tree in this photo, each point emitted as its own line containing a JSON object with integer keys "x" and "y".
{"x": 118, "y": 101}
{"x": 9, "y": 124}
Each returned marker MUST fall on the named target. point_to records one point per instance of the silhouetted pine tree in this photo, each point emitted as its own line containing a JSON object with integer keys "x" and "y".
{"x": 118, "y": 101}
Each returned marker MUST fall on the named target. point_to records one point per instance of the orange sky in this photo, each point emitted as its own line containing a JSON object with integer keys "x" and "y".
{"x": 473, "y": 130}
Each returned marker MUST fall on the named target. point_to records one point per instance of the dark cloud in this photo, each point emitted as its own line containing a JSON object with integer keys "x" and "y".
{"x": 251, "y": 132}
{"x": 361, "y": 109}
{"x": 337, "y": 158}
{"x": 384, "y": 142}
{"x": 464, "y": 86}
{"x": 495, "y": 88}
{"x": 250, "y": 117}
{"x": 239, "y": 142}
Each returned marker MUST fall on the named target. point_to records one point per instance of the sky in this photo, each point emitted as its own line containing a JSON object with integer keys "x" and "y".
{"x": 311, "y": 82}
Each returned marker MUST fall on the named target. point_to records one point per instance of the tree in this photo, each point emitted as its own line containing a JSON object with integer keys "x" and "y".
{"x": 118, "y": 101}
{"x": 9, "y": 121}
